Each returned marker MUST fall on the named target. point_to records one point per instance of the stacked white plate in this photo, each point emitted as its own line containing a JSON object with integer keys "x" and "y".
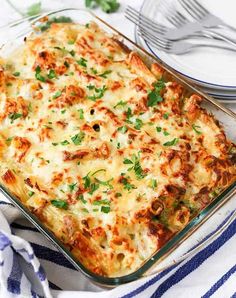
{"x": 212, "y": 69}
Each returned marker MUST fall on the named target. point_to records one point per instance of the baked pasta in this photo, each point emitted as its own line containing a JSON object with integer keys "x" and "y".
{"x": 108, "y": 154}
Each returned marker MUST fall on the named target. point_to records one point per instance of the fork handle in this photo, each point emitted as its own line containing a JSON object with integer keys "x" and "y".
{"x": 183, "y": 31}
{"x": 220, "y": 36}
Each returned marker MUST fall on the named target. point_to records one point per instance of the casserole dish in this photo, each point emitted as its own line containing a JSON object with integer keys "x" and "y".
{"x": 83, "y": 17}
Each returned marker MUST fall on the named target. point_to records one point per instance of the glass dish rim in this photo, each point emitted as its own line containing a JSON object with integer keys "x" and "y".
{"x": 174, "y": 241}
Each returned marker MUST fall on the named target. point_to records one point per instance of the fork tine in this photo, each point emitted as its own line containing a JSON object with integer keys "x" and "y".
{"x": 200, "y": 7}
{"x": 188, "y": 8}
{"x": 157, "y": 40}
{"x": 140, "y": 23}
{"x": 19, "y": 21}
{"x": 197, "y": 9}
{"x": 151, "y": 41}
{"x": 152, "y": 23}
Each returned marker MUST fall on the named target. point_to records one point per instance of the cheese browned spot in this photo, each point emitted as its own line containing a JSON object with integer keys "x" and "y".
{"x": 110, "y": 157}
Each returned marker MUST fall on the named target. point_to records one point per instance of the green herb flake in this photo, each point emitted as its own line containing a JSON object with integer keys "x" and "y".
{"x": 107, "y": 6}
{"x": 14, "y": 116}
{"x": 70, "y": 42}
{"x": 105, "y": 73}
{"x": 57, "y": 94}
{"x": 165, "y": 133}
{"x": 122, "y": 129}
{"x": 153, "y": 184}
{"x": 30, "y": 193}
{"x": 171, "y": 143}
{"x": 64, "y": 143}
{"x": 118, "y": 194}
{"x": 78, "y": 138}
{"x": 54, "y": 144}
{"x": 99, "y": 92}
{"x": 81, "y": 114}
{"x": 52, "y": 74}
{"x": 38, "y": 75}
{"x": 63, "y": 111}
{"x": 81, "y": 198}
{"x": 101, "y": 202}
{"x": 166, "y": 116}
{"x": 8, "y": 140}
{"x": 105, "y": 209}
{"x": 82, "y": 62}
{"x": 127, "y": 185}
{"x": 154, "y": 96}
{"x": 120, "y": 104}
{"x": 138, "y": 124}
{"x": 158, "y": 129}
{"x": 195, "y": 128}
{"x": 72, "y": 186}
{"x": 60, "y": 204}
{"x": 16, "y": 74}
{"x": 136, "y": 166}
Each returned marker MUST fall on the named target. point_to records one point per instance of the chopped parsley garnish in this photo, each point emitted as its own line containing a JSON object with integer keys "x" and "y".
{"x": 118, "y": 194}
{"x": 118, "y": 146}
{"x": 72, "y": 52}
{"x": 9, "y": 84}
{"x": 120, "y": 104}
{"x": 14, "y": 116}
{"x": 54, "y": 144}
{"x": 52, "y": 74}
{"x": 105, "y": 209}
{"x": 64, "y": 143}
{"x": 99, "y": 92}
{"x": 153, "y": 184}
{"x": 38, "y": 75}
{"x": 67, "y": 65}
{"x": 93, "y": 188}
{"x": 138, "y": 124}
{"x": 158, "y": 128}
{"x": 101, "y": 202}
{"x": 94, "y": 71}
{"x": 81, "y": 198}
{"x": 171, "y": 143}
{"x": 30, "y": 193}
{"x": 154, "y": 96}
{"x": 71, "y": 42}
{"x": 57, "y": 94}
{"x": 165, "y": 133}
{"x": 30, "y": 107}
{"x": 166, "y": 116}
{"x": 16, "y": 74}
{"x": 82, "y": 62}
{"x": 78, "y": 138}
{"x": 60, "y": 204}
{"x": 87, "y": 25}
{"x": 81, "y": 114}
{"x": 8, "y": 140}
{"x": 136, "y": 166}
{"x": 128, "y": 186}
{"x": 105, "y": 73}
{"x": 122, "y": 129}
{"x": 104, "y": 183}
{"x": 128, "y": 115}
{"x": 72, "y": 186}
{"x": 195, "y": 128}
{"x": 63, "y": 111}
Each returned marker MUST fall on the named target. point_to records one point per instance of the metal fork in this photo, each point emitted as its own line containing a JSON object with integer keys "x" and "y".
{"x": 154, "y": 33}
{"x": 199, "y": 12}
{"x": 176, "y": 47}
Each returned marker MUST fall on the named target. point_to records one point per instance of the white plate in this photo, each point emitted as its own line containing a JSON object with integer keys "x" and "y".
{"x": 208, "y": 67}
{"x": 225, "y": 96}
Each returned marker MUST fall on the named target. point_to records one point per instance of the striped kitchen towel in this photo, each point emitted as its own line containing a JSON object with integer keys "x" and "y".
{"x": 210, "y": 272}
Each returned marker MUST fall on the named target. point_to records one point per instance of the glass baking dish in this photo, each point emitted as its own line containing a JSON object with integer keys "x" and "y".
{"x": 228, "y": 119}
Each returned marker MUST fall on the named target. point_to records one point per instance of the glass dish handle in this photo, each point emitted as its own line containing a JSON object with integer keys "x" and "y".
{"x": 195, "y": 250}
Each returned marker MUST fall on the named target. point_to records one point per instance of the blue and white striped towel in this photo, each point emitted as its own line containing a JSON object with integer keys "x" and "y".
{"x": 210, "y": 272}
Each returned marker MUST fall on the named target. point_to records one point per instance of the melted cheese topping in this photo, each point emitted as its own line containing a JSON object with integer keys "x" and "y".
{"x": 110, "y": 157}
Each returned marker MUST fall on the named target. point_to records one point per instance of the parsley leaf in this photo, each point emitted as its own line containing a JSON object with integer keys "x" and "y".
{"x": 128, "y": 186}
{"x": 60, "y": 204}
{"x": 64, "y": 143}
{"x": 99, "y": 92}
{"x": 78, "y": 138}
{"x": 52, "y": 74}
{"x": 38, "y": 75}
{"x": 195, "y": 128}
{"x": 123, "y": 129}
{"x": 154, "y": 96}
{"x": 171, "y": 143}
{"x": 82, "y": 62}
{"x": 81, "y": 198}
{"x": 120, "y": 104}
{"x": 14, "y": 116}
{"x": 57, "y": 94}
{"x": 158, "y": 128}
{"x": 72, "y": 186}
{"x": 105, "y": 209}
{"x": 60, "y": 19}
{"x": 16, "y": 74}
{"x": 138, "y": 124}
{"x": 105, "y": 73}
{"x": 135, "y": 161}
{"x": 81, "y": 114}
